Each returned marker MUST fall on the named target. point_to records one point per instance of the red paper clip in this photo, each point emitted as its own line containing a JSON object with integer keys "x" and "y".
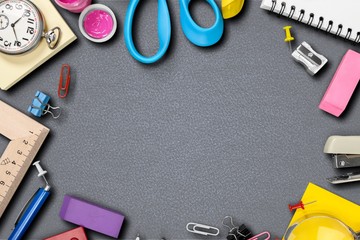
{"x": 65, "y": 73}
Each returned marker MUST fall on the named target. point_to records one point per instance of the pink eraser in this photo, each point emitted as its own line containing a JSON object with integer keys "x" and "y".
{"x": 342, "y": 85}
{"x": 91, "y": 216}
{"x": 75, "y": 234}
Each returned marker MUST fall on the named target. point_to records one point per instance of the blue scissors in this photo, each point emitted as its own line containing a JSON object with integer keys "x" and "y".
{"x": 199, "y": 36}
{"x": 203, "y": 37}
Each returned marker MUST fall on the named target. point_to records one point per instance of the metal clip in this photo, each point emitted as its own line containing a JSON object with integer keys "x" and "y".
{"x": 236, "y": 233}
{"x": 230, "y": 226}
{"x": 40, "y": 106}
{"x": 200, "y": 229}
{"x": 63, "y": 88}
{"x": 52, "y": 37}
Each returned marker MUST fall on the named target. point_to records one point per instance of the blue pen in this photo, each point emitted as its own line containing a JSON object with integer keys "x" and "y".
{"x": 34, "y": 206}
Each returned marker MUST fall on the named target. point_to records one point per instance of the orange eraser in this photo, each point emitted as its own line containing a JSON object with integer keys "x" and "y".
{"x": 75, "y": 234}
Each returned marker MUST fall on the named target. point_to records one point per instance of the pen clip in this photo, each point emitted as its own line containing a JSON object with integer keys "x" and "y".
{"x": 25, "y": 207}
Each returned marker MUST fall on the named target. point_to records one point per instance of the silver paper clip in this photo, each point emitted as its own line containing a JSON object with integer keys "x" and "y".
{"x": 202, "y": 229}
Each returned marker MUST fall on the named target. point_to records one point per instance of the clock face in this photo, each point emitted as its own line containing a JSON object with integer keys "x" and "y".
{"x": 21, "y": 26}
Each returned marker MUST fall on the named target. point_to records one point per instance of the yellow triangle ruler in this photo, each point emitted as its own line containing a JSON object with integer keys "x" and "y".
{"x": 26, "y": 137}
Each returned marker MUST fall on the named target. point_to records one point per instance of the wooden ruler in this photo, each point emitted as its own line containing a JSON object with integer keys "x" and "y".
{"x": 26, "y": 137}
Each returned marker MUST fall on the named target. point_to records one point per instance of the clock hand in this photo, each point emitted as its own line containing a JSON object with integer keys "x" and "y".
{"x": 16, "y": 21}
{"x": 14, "y": 32}
{"x": 13, "y": 27}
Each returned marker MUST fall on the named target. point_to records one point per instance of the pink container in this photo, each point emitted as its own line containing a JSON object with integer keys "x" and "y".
{"x": 75, "y": 6}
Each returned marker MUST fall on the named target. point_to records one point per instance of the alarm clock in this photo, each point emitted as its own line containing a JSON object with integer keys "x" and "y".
{"x": 22, "y": 26}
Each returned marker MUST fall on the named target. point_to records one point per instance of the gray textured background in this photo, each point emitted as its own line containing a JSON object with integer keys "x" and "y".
{"x": 229, "y": 130}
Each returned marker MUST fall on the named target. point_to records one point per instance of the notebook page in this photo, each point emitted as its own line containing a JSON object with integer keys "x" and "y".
{"x": 340, "y": 12}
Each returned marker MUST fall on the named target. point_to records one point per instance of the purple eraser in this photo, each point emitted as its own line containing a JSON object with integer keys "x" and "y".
{"x": 91, "y": 216}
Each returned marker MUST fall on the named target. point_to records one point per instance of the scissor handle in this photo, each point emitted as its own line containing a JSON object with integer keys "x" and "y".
{"x": 164, "y": 32}
{"x": 200, "y": 36}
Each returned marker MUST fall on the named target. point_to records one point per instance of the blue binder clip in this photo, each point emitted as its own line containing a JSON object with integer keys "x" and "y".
{"x": 40, "y": 106}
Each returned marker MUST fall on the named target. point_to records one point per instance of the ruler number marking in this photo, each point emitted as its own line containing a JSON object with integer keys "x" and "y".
{"x": 18, "y": 159}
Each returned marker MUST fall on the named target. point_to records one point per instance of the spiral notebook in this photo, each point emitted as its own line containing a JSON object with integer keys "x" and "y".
{"x": 339, "y": 17}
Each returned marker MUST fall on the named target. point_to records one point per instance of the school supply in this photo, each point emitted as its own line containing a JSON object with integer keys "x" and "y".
{"x": 202, "y": 37}
{"x": 164, "y": 32}
{"x": 310, "y": 59}
{"x": 338, "y": 17}
{"x": 199, "y": 36}
{"x": 40, "y": 106}
{"x": 202, "y": 229}
{"x": 342, "y": 85}
{"x": 329, "y": 204}
{"x": 75, "y": 6}
{"x": 299, "y": 205}
{"x": 349, "y": 177}
{"x": 236, "y": 233}
{"x": 26, "y": 137}
{"x": 33, "y": 207}
{"x": 345, "y": 151}
{"x": 74, "y": 234}
{"x": 231, "y": 8}
{"x": 288, "y": 37}
{"x": 97, "y": 23}
{"x": 91, "y": 216}
{"x": 263, "y": 235}
{"x": 15, "y": 68}
{"x": 64, "y": 81}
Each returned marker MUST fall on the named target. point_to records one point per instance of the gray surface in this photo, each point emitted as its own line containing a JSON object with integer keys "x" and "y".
{"x": 229, "y": 130}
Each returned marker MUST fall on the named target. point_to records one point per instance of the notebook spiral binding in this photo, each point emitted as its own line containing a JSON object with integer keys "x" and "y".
{"x": 320, "y": 22}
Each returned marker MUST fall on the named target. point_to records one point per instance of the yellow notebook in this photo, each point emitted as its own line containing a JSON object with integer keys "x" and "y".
{"x": 14, "y": 68}
{"x": 328, "y": 204}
